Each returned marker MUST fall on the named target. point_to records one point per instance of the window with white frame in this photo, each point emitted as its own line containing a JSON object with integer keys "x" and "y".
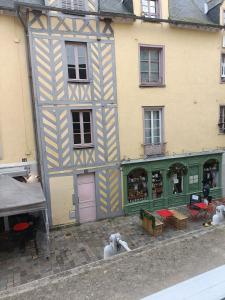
{"x": 151, "y": 65}
{"x": 150, "y": 8}
{"x": 73, "y": 4}
{"x": 153, "y": 126}
{"x": 77, "y": 61}
{"x": 193, "y": 179}
{"x": 221, "y": 123}
{"x": 82, "y": 128}
{"x": 222, "y": 67}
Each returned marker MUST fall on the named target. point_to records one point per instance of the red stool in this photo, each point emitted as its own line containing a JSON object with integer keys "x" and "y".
{"x": 21, "y": 227}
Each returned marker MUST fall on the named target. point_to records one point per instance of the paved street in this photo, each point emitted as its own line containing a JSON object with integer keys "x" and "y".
{"x": 133, "y": 275}
{"x": 76, "y": 246}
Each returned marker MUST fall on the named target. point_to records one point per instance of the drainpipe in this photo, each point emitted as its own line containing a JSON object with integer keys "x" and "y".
{"x": 27, "y": 45}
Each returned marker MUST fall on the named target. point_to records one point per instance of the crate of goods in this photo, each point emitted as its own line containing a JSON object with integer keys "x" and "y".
{"x": 150, "y": 223}
{"x": 178, "y": 220}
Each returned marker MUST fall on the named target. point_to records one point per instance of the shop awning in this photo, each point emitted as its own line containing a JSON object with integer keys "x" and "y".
{"x": 17, "y": 197}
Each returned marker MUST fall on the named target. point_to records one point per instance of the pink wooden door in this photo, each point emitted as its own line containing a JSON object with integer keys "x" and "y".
{"x": 86, "y": 194}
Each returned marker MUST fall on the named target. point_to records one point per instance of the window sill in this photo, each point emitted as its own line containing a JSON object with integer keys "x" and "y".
{"x": 83, "y": 147}
{"x": 79, "y": 81}
{"x": 153, "y": 20}
{"x": 222, "y": 81}
{"x": 151, "y": 85}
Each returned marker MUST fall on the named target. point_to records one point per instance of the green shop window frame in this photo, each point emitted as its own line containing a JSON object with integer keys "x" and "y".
{"x": 194, "y": 167}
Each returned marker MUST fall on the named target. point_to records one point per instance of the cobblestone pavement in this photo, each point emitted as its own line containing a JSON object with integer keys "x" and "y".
{"x": 75, "y": 246}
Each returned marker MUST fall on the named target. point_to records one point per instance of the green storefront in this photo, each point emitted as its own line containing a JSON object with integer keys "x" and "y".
{"x": 169, "y": 181}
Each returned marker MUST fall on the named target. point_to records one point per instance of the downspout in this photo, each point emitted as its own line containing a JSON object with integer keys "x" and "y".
{"x": 27, "y": 45}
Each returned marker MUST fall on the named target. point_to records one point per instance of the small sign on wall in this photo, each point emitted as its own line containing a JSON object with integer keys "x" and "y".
{"x": 72, "y": 215}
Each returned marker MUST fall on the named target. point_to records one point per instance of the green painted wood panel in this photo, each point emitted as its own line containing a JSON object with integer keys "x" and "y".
{"x": 168, "y": 199}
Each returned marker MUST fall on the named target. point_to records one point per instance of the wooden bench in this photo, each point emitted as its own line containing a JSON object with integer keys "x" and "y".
{"x": 151, "y": 224}
{"x": 178, "y": 220}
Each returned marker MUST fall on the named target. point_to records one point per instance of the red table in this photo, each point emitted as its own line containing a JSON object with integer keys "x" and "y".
{"x": 201, "y": 205}
{"x": 164, "y": 213}
{"x": 21, "y": 226}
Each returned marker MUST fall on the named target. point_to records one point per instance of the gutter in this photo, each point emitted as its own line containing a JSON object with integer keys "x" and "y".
{"x": 110, "y": 15}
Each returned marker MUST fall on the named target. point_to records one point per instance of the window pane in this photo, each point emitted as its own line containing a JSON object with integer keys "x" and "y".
{"x": 145, "y": 2}
{"x": 147, "y": 124}
{"x": 81, "y": 51}
{"x": 147, "y": 133}
{"x": 76, "y": 116}
{"x": 87, "y": 138}
{"x": 72, "y": 73}
{"x": 87, "y": 127}
{"x": 144, "y": 77}
{"x": 156, "y": 140}
{"x": 154, "y": 77}
{"x": 156, "y": 132}
{"x": 148, "y": 140}
{"x": 70, "y": 54}
{"x": 156, "y": 123}
{"x": 77, "y": 139}
{"x": 83, "y": 73}
{"x": 86, "y": 116}
{"x": 154, "y": 55}
{"x": 147, "y": 115}
{"x": 82, "y": 60}
{"x": 155, "y": 114}
{"x": 152, "y": 10}
{"x": 76, "y": 127}
{"x": 155, "y": 67}
{"x": 144, "y": 54}
{"x": 144, "y": 66}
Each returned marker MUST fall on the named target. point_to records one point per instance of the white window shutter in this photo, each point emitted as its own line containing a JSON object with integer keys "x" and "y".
{"x": 223, "y": 70}
{"x": 224, "y": 41}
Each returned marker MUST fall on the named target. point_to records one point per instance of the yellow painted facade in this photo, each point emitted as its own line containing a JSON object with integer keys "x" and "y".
{"x": 61, "y": 189}
{"x": 192, "y": 92}
{"x": 16, "y": 123}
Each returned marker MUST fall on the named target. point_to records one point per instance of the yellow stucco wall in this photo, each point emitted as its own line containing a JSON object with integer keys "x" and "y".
{"x": 193, "y": 90}
{"x": 16, "y": 125}
{"x": 61, "y": 190}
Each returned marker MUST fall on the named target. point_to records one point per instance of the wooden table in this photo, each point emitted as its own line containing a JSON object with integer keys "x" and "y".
{"x": 151, "y": 224}
{"x": 200, "y": 205}
{"x": 178, "y": 220}
{"x": 164, "y": 213}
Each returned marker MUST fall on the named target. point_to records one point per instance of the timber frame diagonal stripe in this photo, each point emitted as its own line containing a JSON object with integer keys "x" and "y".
{"x": 56, "y": 98}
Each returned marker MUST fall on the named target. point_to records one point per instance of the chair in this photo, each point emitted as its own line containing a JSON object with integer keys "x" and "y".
{"x": 210, "y": 210}
{"x": 193, "y": 213}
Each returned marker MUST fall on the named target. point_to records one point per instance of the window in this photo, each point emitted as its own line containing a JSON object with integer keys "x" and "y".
{"x": 137, "y": 185}
{"x": 193, "y": 179}
{"x": 151, "y": 65}
{"x": 77, "y": 61}
{"x": 152, "y": 126}
{"x": 176, "y": 173}
{"x": 150, "y": 8}
{"x": 222, "y": 68}
{"x": 82, "y": 128}
{"x": 221, "y": 123}
{"x": 211, "y": 173}
{"x": 73, "y": 4}
{"x": 157, "y": 184}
